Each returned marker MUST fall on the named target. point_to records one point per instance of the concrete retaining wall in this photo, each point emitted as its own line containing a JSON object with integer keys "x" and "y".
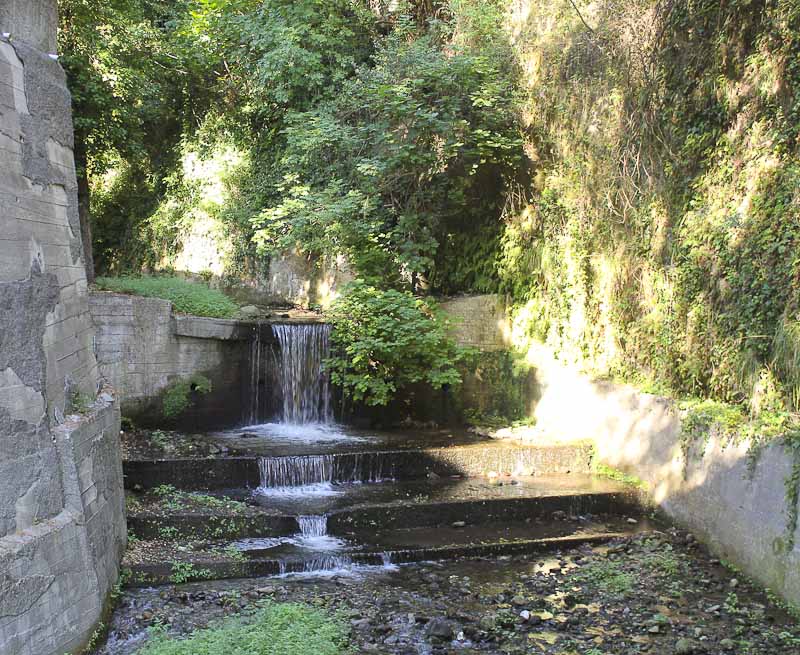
{"x": 742, "y": 518}
{"x": 62, "y": 523}
{"x": 142, "y": 348}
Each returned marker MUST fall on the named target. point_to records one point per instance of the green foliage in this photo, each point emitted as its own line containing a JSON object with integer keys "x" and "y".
{"x": 164, "y": 490}
{"x": 177, "y": 396}
{"x": 132, "y": 86}
{"x": 504, "y": 379}
{"x": 619, "y": 476}
{"x": 276, "y": 629}
{"x": 80, "y": 402}
{"x": 414, "y": 147}
{"x": 660, "y": 243}
{"x": 703, "y": 417}
{"x": 186, "y": 297}
{"x": 186, "y": 572}
{"x": 384, "y": 341}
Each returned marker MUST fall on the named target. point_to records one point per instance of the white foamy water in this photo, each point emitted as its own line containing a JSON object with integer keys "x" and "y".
{"x": 318, "y": 490}
{"x": 296, "y": 432}
{"x": 338, "y": 569}
{"x": 313, "y": 536}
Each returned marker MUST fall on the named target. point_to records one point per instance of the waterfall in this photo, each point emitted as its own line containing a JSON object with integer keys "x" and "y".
{"x": 322, "y": 564}
{"x": 295, "y": 471}
{"x": 304, "y": 386}
{"x": 304, "y": 470}
{"x": 255, "y": 377}
{"x": 313, "y": 526}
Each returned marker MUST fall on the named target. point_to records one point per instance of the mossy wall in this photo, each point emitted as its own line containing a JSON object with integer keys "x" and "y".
{"x": 660, "y": 241}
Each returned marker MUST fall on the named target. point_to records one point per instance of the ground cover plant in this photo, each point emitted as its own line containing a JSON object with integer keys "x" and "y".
{"x": 186, "y": 297}
{"x": 275, "y": 629}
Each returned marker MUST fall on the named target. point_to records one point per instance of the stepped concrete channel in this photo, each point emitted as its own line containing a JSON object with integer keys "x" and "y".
{"x": 325, "y": 512}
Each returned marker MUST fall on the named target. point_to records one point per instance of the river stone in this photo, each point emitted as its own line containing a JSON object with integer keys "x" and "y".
{"x": 687, "y": 647}
{"x": 249, "y": 310}
{"x": 440, "y": 629}
{"x": 488, "y": 622}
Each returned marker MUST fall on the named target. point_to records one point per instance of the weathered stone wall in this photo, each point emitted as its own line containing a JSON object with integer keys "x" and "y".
{"x": 481, "y": 322}
{"x": 31, "y": 21}
{"x": 142, "y": 348}
{"x": 742, "y": 517}
{"x": 301, "y": 281}
{"x": 62, "y": 524}
{"x": 478, "y": 321}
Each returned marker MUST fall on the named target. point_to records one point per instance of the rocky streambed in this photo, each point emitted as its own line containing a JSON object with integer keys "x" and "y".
{"x": 656, "y": 592}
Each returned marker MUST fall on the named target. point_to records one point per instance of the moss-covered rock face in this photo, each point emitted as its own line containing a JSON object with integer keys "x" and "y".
{"x": 498, "y": 386}
{"x": 662, "y": 234}
{"x": 180, "y": 395}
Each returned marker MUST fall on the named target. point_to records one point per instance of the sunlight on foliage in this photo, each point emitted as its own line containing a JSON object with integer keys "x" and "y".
{"x": 385, "y": 341}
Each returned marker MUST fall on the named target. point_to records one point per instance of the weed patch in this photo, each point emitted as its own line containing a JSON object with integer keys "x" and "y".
{"x": 186, "y": 297}
{"x": 276, "y": 629}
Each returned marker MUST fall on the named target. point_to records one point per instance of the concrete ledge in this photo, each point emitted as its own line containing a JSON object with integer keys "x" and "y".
{"x": 215, "y": 328}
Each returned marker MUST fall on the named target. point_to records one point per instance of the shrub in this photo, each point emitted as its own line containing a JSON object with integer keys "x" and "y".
{"x": 277, "y": 629}
{"x": 385, "y": 340}
{"x": 186, "y": 297}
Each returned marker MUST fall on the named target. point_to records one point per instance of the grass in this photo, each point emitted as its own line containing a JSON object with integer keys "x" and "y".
{"x": 276, "y": 629}
{"x": 606, "y": 576}
{"x": 186, "y": 297}
{"x": 619, "y": 476}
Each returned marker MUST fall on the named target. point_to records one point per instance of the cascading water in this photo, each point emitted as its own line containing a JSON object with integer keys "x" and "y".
{"x": 284, "y": 473}
{"x": 305, "y": 414}
{"x": 313, "y": 526}
{"x": 255, "y": 377}
{"x": 304, "y": 385}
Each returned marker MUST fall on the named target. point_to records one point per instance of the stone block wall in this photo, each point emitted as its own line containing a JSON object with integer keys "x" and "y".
{"x": 478, "y": 321}
{"x": 142, "y": 348}
{"x": 62, "y": 525}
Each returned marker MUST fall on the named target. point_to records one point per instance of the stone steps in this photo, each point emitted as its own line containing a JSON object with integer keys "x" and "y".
{"x": 428, "y": 503}
{"x": 329, "y": 508}
{"x": 363, "y": 465}
{"x": 213, "y": 560}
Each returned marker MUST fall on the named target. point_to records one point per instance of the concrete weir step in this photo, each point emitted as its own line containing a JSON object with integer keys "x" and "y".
{"x": 149, "y": 563}
{"x": 349, "y": 507}
{"x": 251, "y": 470}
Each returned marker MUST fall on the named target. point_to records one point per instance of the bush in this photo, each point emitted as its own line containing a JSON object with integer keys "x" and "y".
{"x": 277, "y": 629}
{"x": 385, "y": 340}
{"x": 186, "y": 297}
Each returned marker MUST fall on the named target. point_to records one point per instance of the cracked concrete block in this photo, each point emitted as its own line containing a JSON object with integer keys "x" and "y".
{"x": 62, "y": 522}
